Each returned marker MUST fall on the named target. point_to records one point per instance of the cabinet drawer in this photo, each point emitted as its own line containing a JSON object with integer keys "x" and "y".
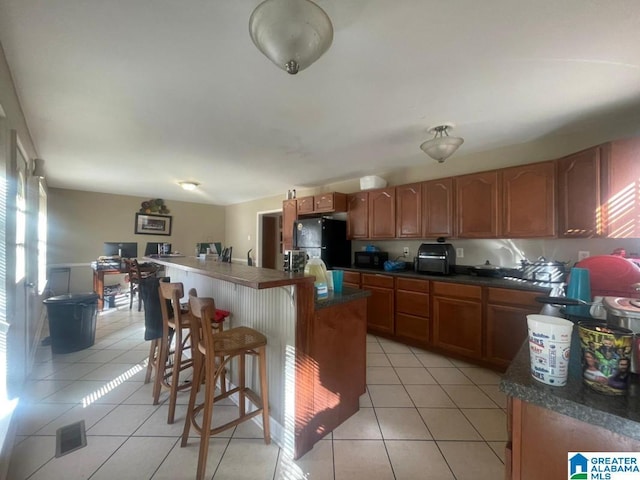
{"x": 351, "y": 277}
{"x": 305, "y": 205}
{"x": 377, "y": 280}
{"x": 412, "y": 284}
{"x": 457, "y": 290}
{"x": 413, "y": 303}
{"x": 512, "y": 297}
{"x": 412, "y": 327}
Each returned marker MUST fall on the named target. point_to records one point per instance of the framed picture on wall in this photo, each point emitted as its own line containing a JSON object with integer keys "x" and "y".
{"x": 152, "y": 224}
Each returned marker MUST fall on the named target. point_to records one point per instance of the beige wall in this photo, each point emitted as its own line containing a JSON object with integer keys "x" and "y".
{"x": 79, "y": 223}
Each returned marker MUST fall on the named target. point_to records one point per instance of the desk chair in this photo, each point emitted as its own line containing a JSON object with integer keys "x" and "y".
{"x": 134, "y": 274}
{"x": 211, "y": 354}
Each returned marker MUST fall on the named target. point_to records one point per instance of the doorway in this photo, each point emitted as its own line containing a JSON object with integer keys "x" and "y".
{"x": 269, "y": 240}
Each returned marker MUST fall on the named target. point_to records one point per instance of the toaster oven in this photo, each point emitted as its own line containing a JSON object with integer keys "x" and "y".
{"x": 436, "y": 258}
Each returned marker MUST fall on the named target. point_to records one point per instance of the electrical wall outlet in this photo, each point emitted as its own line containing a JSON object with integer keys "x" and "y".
{"x": 582, "y": 254}
{"x": 460, "y": 252}
{"x": 405, "y": 251}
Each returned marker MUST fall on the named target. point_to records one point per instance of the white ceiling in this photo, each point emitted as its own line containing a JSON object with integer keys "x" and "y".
{"x": 130, "y": 97}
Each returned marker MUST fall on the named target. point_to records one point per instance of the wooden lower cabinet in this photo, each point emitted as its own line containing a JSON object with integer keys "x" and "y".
{"x": 338, "y": 380}
{"x": 457, "y": 318}
{"x": 506, "y": 323}
{"x": 380, "y": 305}
{"x": 539, "y": 439}
{"x": 351, "y": 279}
{"x": 412, "y": 310}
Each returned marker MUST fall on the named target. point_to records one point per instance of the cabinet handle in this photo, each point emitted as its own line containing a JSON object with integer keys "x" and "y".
{"x": 386, "y": 194}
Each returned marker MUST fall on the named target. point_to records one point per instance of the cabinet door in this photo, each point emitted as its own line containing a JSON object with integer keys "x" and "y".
{"x": 330, "y": 202}
{"x": 437, "y": 208}
{"x": 457, "y": 325}
{"x": 623, "y": 189}
{"x": 380, "y": 305}
{"x": 289, "y": 216}
{"x": 529, "y": 201}
{"x": 477, "y": 207}
{"x": 506, "y": 332}
{"x": 358, "y": 215}
{"x": 380, "y": 309}
{"x": 305, "y": 205}
{"x": 580, "y": 195}
{"x": 506, "y": 323}
{"x": 409, "y": 211}
{"x": 382, "y": 213}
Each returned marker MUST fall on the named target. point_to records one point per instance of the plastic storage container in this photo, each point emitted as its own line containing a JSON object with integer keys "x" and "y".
{"x": 371, "y": 182}
{"x": 72, "y": 321}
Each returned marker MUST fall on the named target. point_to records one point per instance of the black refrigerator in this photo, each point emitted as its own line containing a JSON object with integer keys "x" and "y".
{"x": 323, "y": 238}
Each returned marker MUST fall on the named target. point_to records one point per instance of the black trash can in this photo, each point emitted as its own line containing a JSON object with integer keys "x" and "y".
{"x": 72, "y": 321}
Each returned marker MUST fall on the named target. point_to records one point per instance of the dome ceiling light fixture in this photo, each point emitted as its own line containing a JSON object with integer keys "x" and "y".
{"x": 441, "y": 146}
{"x": 189, "y": 185}
{"x": 291, "y": 33}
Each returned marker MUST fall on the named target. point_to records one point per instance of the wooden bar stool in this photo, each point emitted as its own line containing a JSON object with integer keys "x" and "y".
{"x": 221, "y": 315}
{"x": 170, "y": 362}
{"x": 212, "y": 352}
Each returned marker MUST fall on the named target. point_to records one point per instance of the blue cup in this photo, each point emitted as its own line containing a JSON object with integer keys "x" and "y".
{"x": 579, "y": 288}
{"x": 338, "y": 275}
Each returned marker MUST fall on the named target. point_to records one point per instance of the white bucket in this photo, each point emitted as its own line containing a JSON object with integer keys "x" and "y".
{"x": 549, "y": 348}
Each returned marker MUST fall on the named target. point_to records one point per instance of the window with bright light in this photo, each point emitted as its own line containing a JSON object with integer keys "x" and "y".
{"x": 21, "y": 226}
{"x": 42, "y": 238}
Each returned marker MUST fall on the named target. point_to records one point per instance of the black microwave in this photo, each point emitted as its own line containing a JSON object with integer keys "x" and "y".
{"x": 374, "y": 260}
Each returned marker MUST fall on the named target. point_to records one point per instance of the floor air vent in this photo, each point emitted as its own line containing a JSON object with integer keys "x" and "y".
{"x": 70, "y": 438}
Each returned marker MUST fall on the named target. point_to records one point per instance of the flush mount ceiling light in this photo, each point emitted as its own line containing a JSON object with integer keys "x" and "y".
{"x": 189, "y": 185}
{"x": 441, "y": 146}
{"x": 291, "y": 33}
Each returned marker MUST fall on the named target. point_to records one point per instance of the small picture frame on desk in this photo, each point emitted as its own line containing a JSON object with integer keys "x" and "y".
{"x": 149, "y": 224}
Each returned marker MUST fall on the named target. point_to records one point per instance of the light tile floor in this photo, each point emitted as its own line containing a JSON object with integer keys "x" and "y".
{"x": 424, "y": 416}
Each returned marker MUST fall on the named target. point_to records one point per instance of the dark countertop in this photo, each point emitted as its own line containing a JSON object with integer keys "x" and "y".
{"x": 347, "y": 295}
{"x": 620, "y": 414}
{"x": 506, "y": 282}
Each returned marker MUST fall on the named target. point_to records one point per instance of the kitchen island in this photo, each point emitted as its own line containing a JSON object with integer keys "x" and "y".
{"x": 316, "y": 348}
{"x": 545, "y": 422}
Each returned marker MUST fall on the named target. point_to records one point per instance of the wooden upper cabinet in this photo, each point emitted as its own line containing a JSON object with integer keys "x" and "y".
{"x": 477, "y": 205}
{"x": 358, "y": 215}
{"x": 529, "y": 201}
{"x": 305, "y": 205}
{"x": 409, "y": 211}
{"x": 580, "y": 194}
{"x": 622, "y": 181}
{"x": 289, "y": 216}
{"x": 322, "y": 203}
{"x": 437, "y": 208}
{"x": 330, "y": 202}
{"x": 382, "y": 213}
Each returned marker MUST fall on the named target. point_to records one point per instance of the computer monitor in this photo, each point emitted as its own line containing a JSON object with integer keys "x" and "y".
{"x": 123, "y": 249}
{"x": 156, "y": 248}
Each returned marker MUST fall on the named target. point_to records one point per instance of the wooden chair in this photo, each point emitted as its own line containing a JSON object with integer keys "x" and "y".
{"x": 211, "y": 354}
{"x": 134, "y": 274}
{"x": 221, "y": 315}
{"x": 170, "y": 361}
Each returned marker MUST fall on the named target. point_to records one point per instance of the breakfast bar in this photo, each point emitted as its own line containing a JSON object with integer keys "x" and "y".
{"x": 316, "y": 348}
